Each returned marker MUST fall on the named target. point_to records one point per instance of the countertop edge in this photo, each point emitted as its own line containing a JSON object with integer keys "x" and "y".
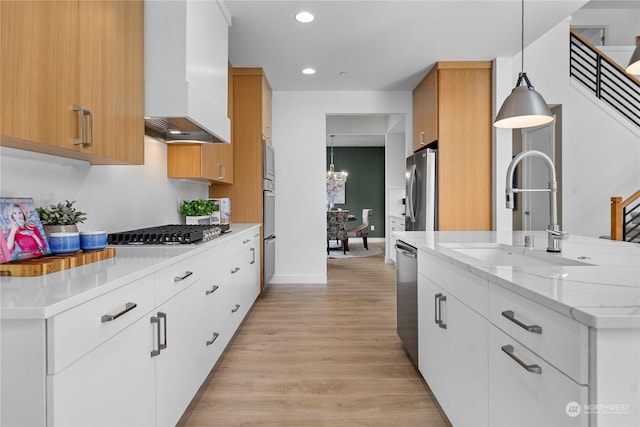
{"x": 594, "y": 317}
{"x": 45, "y": 312}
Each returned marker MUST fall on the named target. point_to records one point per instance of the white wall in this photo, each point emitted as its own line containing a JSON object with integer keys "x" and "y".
{"x": 394, "y": 179}
{"x": 600, "y": 155}
{"x": 299, "y": 122}
{"x": 116, "y": 198}
{"x": 622, "y": 24}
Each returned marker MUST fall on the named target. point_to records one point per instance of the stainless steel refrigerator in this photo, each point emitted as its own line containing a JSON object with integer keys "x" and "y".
{"x": 421, "y": 204}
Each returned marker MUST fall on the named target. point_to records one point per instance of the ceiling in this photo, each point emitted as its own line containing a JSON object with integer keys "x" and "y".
{"x": 379, "y": 44}
{"x": 358, "y": 45}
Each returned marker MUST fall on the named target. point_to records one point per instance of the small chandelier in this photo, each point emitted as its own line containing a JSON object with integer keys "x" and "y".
{"x": 332, "y": 175}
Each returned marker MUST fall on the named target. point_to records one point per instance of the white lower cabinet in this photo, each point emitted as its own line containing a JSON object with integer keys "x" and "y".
{"x": 524, "y": 390}
{"x": 452, "y": 352}
{"x": 140, "y": 352}
{"x": 495, "y": 358}
{"x": 112, "y": 385}
{"x": 177, "y": 343}
{"x": 396, "y": 224}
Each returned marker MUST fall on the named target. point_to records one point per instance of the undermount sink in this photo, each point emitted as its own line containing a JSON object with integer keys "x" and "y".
{"x": 505, "y": 255}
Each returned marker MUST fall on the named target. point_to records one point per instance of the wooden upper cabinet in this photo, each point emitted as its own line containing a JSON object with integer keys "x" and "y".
{"x": 57, "y": 54}
{"x": 39, "y": 72}
{"x": 112, "y": 77}
{"x": 452, "y": 106}
{"x": 425, "y": 111}
{"x": 203, "y": 162}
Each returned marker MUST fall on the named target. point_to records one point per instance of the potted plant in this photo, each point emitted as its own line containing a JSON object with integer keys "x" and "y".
{"x": 61, "y": 218}
{"x": 199, "y": 211}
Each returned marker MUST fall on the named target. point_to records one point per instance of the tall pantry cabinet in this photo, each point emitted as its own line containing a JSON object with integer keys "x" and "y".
{"x": 250, "y": 107}
{"x": 452, "y": 111}
{"x": 72, "y": 79}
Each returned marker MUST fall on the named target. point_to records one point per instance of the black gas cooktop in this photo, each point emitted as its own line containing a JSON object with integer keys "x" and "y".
{"x": 172, "y": 234}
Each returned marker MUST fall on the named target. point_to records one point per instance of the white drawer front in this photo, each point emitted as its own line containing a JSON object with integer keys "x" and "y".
{"x": 177, "y": 277}
{"x": 468, "y": 288}
{"x": 518, "y": 397}
{"x": 561, "y": 341}
{"x": 77, "y": 331}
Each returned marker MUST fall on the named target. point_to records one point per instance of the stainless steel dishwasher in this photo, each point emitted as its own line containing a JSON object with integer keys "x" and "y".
{"x": 407, "y": 298}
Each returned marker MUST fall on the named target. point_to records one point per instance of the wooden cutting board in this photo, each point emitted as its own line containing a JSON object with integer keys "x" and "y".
{"x": 52, "y": 263}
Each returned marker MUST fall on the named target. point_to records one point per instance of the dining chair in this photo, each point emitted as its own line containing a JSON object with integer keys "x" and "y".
{"x": 363, "y": 229}
{"x": 336, "y": 221}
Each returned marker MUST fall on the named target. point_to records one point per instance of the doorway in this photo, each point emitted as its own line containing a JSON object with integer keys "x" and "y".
{"x": 532, "y": 208}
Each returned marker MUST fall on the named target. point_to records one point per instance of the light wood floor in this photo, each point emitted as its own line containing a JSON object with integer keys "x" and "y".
{"x": 316, "y": 355}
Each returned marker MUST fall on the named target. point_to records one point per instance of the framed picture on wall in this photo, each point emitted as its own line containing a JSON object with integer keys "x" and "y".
{"x": 21, "y": 233}
{"x": 336, "y": 191}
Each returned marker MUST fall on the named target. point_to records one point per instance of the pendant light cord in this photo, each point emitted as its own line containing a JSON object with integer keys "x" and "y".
{"x": 522, "y": 41}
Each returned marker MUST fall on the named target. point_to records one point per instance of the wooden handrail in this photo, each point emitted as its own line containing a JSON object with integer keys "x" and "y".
{"x": 617, "y": 220}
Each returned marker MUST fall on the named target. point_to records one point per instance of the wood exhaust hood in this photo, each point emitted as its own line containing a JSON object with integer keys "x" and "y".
{"x": 185, "y": 62}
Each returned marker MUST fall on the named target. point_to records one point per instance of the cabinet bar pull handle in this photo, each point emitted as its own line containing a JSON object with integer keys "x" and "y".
{"x": 440, "y": 322}
{"x": 181, "y": 278}
{"x": 435, "y": 309}
{"x": 213, "y": 338}
{"x": 156, "y": 320}
{"x": 253, "y": 255}
{"x": 531, "y": 368}
{"x": 212, "y": 290}
{"x": 127, "y": 308}
{"x": 234, "y": 309}
{"x": 422, "y": 138}
{"x": 221, "y": 168}
{"x": 509, "y": 314}
{"x": 80, "y": 111}
{"x": 89, "y": 143}
{"x": 162, "y": 316}
{"x": 235, "y": 270}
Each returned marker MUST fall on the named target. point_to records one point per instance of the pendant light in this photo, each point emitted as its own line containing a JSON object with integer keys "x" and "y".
{"x": 524, "y": 107}
{"x": 634, "y": 63}
{"x": 332, "y": 175}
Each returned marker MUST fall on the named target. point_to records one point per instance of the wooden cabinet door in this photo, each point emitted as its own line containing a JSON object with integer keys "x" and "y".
{"x": 39, "y": 72}
{"x": 425, "y": 111}
{"x": 266, "y": 110}
{"x": 431, "y": 107}
{"x": 111, "y": 56}
{"x": 112, "y": 385}
{"x": 217, "y": 163}
{"x": 418, "y": 116}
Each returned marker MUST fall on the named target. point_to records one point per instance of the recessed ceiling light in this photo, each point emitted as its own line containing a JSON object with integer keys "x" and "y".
{"x": 308, "y": 71}
{"x": 305, "y": 17}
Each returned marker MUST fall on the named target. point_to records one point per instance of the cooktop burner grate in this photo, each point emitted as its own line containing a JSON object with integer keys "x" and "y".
{"x": 167, "y": 235}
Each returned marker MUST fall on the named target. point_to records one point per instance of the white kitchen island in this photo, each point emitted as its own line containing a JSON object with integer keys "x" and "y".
{"x": 125, "y": 341}
{"x": 513, "y": 336}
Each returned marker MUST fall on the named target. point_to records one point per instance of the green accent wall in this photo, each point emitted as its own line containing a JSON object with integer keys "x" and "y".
{"x": 365, "y": 183}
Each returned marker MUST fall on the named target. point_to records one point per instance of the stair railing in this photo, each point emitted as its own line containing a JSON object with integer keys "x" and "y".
{"x": 607, "y": 80}
{"x": 625, "y": 218}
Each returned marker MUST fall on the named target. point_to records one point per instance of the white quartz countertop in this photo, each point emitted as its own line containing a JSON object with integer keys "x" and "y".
{"x": 603, "y": 295}
{"x": 45, "y": 296}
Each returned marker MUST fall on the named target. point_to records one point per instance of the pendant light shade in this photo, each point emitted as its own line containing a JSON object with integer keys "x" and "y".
{"x": 634, "y": 63}
{"x": 524, "y": 107}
